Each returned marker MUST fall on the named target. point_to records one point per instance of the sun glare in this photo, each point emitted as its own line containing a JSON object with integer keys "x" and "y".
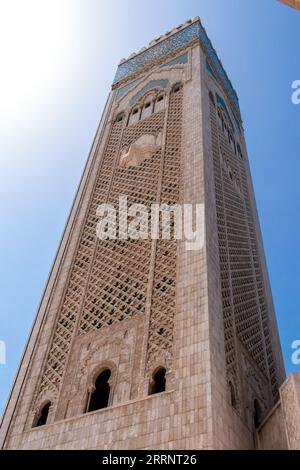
{"x": 31, "y": 38}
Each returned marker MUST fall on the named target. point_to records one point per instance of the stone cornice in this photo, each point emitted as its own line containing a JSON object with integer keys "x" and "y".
{"x": 168, "y": 45}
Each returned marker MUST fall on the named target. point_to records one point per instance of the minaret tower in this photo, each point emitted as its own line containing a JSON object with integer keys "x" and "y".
{"x": 143, "y": 343}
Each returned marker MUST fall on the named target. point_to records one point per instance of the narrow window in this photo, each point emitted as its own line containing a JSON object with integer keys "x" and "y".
{"x": 211, "y": 97}
{"x": 134, "y": 116}
{"x": 100, "y": 396}
{"x": 43, "y": 416}
{"x": 158, "y": 383}
{"x": 257, "y": 414}
{"x": 239, "y": 151}
{"x": 147, "y": 105}
{"x": 232, "y": 395}
{"x": 159, "y": 103}
{"x": 177, "y": 88}
{"x": 120, "y": 117}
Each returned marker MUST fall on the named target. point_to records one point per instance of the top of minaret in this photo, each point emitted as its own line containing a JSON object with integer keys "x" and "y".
{"x": 161, "y": 38}
{"x": 171, "y": 41}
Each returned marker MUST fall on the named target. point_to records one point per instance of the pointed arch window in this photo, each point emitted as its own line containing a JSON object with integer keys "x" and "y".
{"x": 158, "y": 383}
{"x": 211, "y": 97}
{"x": 159, "y": 103}
{"x": 232, "y": 395}
{"x": 42, "y": 417}
{"x": 147, "y": 108}
{"x": 134, "y": 116}
{"x": 177, "y": 88}
{"x": 257, "y": 414}
{"x": 99, "y": 396}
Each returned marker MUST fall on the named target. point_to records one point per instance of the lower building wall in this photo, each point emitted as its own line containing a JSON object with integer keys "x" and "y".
{"x": 156, "y": 422}
{"x": 281, "y": 428}
{"x": 271, "y": 435}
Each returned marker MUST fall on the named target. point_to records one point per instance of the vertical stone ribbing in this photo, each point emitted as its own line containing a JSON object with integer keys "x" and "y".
{"x": 160, "y": 342}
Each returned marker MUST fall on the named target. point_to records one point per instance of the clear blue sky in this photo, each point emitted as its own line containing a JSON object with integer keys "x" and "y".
{"x": 58, "y": 59}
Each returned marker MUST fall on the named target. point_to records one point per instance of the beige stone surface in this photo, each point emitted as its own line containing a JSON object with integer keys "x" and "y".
{"x": 281, "y": 428}
{"x": 135, "y": 306}
{"x": 272, "y": 434}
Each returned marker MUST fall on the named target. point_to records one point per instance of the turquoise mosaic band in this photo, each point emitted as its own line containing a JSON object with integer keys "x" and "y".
{"x": 170, "y": 44}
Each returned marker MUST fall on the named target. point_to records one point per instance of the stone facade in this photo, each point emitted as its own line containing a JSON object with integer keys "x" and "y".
{"x": 171, "y": 133}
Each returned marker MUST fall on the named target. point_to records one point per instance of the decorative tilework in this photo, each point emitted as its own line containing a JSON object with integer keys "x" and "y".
{"x": 124, "y": 89}
{"x": 171, "y": 44}
{"x": 236, "y": 120}
{"x": 174, "y": 42}
{"x": 182, "y": 59}
{"x": 150, "y": 86}
{"x": 210, "y": 69}
{"x": 218, "y": 66}
{"x": 222, "y": 103}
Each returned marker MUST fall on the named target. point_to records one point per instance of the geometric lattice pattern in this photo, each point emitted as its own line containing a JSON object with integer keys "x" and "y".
{"x": 79, "y": 273}
{"x": 120, "y": 271}
{"x": 228, "y": 314}
{"x": 163, "y": 295}
{"x": 109, "y": 278}
{"x": 243, "y": 292}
